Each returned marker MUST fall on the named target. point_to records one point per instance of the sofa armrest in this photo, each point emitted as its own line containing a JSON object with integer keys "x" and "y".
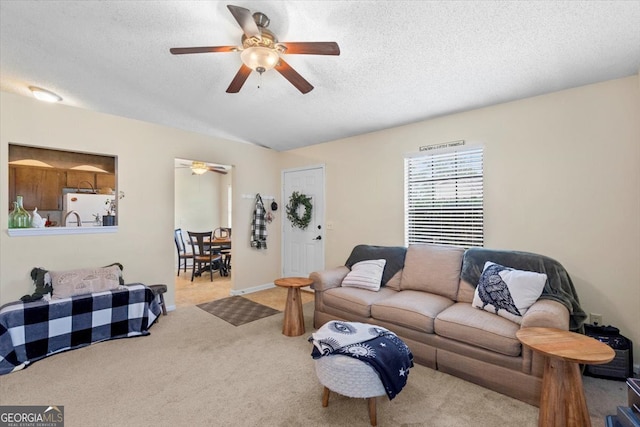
{"x": 546, "y": 313}
{"x": 327, "y": 279}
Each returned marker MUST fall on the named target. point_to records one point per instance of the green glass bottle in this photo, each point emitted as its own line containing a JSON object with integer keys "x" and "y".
{"x": 12, "y": 214}
{"x": 21, "y": 218}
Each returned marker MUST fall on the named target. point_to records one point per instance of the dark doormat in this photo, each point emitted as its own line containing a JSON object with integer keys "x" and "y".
{"x": 237, "y": 310}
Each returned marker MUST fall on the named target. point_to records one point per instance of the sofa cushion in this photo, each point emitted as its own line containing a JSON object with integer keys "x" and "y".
{"x": 394, "y": 255}
{"x": 508, "y": 292}
{"x": 354, "y": 300}
{"x": 464, "y": 323}
{"x": 365, "y": 274}
{"x": 465, "y": 292}
{"x": 432, "y": 268}
{"x": 411, "y": 309}
{"x": 394, "y": 282}
{"x": 84, "y": 281}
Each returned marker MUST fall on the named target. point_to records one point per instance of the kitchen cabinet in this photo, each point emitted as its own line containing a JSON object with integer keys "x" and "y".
{"x": 81, "y": 179}
{"x": 104, "y": 180}
{"x": 40, "y": 187}
{"x": 12, "y": 187}
{"x": 85, "y": 180}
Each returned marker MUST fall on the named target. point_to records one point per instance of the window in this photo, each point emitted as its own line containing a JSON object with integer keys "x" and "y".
{"x": 443, "y": 198}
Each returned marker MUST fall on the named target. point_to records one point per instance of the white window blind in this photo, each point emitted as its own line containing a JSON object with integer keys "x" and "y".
{"x": 444, "y": 198}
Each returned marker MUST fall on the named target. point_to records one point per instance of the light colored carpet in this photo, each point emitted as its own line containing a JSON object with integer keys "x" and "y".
{"x": 197, "y": 370}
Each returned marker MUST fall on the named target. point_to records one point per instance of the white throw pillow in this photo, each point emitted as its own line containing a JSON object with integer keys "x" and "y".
{"x": 365, "y": 274}
{"x": 508, "y": 292}
{"x": 85, "y": 281}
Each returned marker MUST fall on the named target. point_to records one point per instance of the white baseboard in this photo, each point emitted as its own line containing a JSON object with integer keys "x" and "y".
{"x": 170, "y": 308}
{"x": 252, "y": 289}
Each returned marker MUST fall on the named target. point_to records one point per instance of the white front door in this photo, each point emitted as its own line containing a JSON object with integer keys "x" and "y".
{"x": 303, "y": 250}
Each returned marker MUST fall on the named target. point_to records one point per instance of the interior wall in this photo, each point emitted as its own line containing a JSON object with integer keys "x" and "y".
{"x": 146, "y": 153}
{"x": 224, "y": 184}
{"x": 198, "y": 200}
{"x": 562, "y": 178}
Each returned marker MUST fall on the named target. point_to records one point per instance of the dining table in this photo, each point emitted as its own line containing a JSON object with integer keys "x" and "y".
{"x": 222, "y": 241}
{"x": 221, "y": 244}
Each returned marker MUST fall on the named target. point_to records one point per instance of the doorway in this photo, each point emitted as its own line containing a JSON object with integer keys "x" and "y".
{"x": 202, "y": 202}
{"x": 303, "y": 249}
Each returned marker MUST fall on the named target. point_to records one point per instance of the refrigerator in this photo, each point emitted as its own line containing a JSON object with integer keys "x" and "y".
{"x": 87, "y": 205}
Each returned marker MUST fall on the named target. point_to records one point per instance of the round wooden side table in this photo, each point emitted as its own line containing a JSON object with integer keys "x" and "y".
{"x": 293, "y": 324}
{"x": 562, "y": 401}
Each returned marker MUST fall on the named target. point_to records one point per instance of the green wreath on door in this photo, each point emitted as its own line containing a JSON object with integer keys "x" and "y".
{"x": 295, "y": 201}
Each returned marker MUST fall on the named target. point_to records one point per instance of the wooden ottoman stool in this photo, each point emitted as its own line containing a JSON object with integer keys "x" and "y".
{"x": 349, "y": 377}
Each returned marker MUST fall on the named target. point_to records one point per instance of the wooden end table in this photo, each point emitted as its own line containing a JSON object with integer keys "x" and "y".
{"x": 293, "y": 324}
{"x": 562, "y": 401}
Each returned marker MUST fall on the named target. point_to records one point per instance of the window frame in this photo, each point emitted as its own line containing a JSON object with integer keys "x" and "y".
{"x": 452, "y": 196}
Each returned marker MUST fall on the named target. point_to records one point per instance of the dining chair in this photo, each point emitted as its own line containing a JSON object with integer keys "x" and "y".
{"x": 225, "y": 250}
{"x": 183, "y": 255}
{"x": 222, "y": 233}
{"x": 203, "y": 257}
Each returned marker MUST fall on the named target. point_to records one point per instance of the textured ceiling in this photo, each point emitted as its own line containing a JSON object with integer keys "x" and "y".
{"x": 400, "y": 62}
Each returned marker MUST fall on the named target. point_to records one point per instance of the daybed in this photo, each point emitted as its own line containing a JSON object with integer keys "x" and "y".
{"x": 427, "y": 299}
{"x": 35, "y": 329}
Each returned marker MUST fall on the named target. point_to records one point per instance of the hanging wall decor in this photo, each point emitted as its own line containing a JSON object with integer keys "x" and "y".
{"x": 295, "y": 201}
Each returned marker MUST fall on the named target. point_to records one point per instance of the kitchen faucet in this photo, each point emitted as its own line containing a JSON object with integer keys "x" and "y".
{"x": 77, "y": 216}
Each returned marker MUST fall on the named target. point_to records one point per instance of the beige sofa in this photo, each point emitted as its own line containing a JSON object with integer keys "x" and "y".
{"x": 427, "y": 302}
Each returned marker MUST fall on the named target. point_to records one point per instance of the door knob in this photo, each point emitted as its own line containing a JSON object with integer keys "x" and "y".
{"x": 318, "y": 238}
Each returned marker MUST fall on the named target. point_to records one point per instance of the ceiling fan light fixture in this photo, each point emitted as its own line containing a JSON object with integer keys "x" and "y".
{"x": 260, "y": 58}
{"x": 199, "y": 168}
{"x": 44, "y": 95}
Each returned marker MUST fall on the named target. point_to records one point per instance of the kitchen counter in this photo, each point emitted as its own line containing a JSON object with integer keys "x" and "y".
{"x": 53, "y": 231}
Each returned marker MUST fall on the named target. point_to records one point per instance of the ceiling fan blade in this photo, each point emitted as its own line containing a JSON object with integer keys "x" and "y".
{"x": 204, "y": 49}
{"x": 312, "y": 48}
{"x": 292, "y": 75}
{"x": 245, "y": 19}
{"x": 222, "y": 171}
{"x": 239, "y": 79}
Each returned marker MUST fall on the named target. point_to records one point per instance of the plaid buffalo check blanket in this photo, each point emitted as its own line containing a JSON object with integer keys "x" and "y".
{"x": 33, "y": 330}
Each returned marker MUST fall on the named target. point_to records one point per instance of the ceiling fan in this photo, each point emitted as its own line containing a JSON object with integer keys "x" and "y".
{"x": 260, "y": 50}
{"x": 199, "y": 168}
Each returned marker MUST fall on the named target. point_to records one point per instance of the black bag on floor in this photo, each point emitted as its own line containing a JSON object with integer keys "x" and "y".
{"x": 621, "y": 367}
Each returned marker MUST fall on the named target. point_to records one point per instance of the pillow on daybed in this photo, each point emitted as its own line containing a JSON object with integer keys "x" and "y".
{"x": 365, "y": 275}
{"x": 508, "y": 292}
{"x": 84, "y": 281}
{"x": 42, "y": 281}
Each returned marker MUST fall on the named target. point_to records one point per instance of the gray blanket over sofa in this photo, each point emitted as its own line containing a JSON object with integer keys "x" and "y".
{"x": 559, "y": 286}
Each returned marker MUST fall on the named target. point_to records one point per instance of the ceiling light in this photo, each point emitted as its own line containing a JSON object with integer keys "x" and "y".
{"x": 199, "y": 167}
{"x": 260, "y": 58}
{"x": 44, "y": 95}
